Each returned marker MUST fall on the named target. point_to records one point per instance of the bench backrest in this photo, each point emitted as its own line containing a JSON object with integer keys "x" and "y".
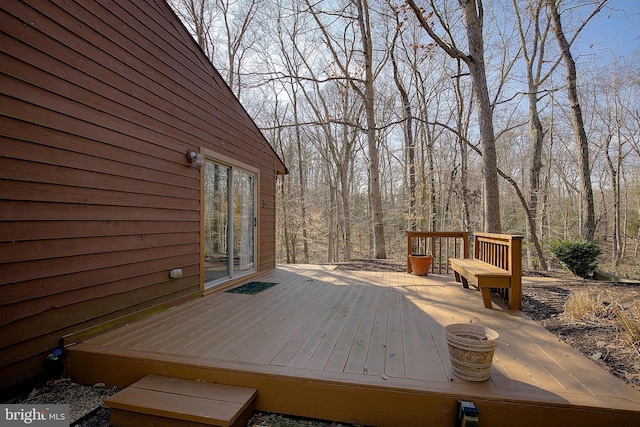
{"x": 502, "y": 250}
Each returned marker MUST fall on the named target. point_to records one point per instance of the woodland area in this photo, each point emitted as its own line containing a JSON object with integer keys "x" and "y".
{"x": 514, "y": 116}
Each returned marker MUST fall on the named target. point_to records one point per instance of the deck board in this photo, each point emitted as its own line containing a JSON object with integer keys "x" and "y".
{"x": 357, "y": 359}
{"x": 345, "y": 343}
{"x": 323, "y": 330}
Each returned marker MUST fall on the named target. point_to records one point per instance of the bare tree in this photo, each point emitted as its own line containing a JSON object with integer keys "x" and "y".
{"x": 364, "y": 87}
{"x": 198, "y": 16}
{"x": 587, "y": 208}
{"x": 612, "y": 96}
{"x": 534, "y": 58}
{"x": 237, "y": 16}
{"x": 473, "y": 15}
{"x": 410, "y": 148}
{"x": 368, "y": 94}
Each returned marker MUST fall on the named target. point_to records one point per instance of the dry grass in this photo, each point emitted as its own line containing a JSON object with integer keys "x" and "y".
{"x": 590, "y": 307}
{"x": 601, "y": 308}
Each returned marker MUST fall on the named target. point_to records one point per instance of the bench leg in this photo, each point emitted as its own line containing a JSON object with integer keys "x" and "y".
{"x": 486, "y": 297}
{"x": 459, "y": 278}
{"x": 465, "y": 282}
{"x": 515, "y": 296}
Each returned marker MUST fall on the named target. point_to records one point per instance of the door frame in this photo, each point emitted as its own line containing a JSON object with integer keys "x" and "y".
{"x": 233, "y": 164}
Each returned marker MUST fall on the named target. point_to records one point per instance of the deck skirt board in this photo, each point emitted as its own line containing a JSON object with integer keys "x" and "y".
{"x": 324, "y": 341}
{"x": 179, "y": 400}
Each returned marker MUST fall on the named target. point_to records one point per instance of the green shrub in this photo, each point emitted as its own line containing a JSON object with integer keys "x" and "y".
{"x": 579, "y": 257}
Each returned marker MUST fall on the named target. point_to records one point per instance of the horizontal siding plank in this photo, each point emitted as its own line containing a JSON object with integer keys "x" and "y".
{"x": 15, "y": 373}
{"x": 38, "y": 305}
{"x": 29, "y": 103}
{"x": 62, "y": 318}
{"x": 46, "y": 286}
{"x": 23, "y": 210}
{"x": 109, "y": 78}
{"x": 21, "y": 251}
{"x": 33, "y": 172}
{"x": 14, "y": 354}
{"x": 32, "y": 191}
{"x": 48, "y": 230}
{"x": 39, "y": 269}
{"x": 36, "y": 155}
{"x": 143, "y": 147}
{"x": 140, "y": 159}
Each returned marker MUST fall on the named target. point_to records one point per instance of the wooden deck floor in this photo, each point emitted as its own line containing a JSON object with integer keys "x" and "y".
{"x": 365, "y": 347}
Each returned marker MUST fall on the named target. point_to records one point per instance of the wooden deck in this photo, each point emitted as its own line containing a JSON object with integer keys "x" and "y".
{"x": 361, "y": 347}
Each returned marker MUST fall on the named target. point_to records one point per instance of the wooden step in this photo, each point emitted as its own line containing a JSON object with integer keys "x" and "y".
{"x": 164, "y": 401}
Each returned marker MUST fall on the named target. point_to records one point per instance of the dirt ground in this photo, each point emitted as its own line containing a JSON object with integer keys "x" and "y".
{"x": 599, "y": 319}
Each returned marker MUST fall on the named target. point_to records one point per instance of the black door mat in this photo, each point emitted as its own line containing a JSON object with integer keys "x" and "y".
{"x": 252, "y": 288}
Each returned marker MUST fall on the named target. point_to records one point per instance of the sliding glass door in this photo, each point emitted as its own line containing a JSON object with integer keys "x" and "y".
{"x": 229, "y": 222}
{"x": 244, "y": 222}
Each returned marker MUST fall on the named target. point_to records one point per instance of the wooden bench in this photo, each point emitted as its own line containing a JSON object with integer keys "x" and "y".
{"x": 496, "y": 264}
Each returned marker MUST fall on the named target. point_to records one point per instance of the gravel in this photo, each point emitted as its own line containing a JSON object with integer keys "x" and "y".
{"x": 85, "y": 401}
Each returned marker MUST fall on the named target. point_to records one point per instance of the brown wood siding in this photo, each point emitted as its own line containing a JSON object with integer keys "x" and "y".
{"x": 99, "y": 103}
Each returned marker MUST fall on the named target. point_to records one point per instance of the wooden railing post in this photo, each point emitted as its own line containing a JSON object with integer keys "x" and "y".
{"x": 515, "y": 266}
{"x": 442, "y": 245}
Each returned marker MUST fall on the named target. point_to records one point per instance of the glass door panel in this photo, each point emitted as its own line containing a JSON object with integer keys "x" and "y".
{"x": 229, "y": 223}
{"x": 216, "y": 221}
{"x": 243, "y": 222}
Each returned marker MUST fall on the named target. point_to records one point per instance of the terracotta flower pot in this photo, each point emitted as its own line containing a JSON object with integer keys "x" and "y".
{"x": 420, "y": 264}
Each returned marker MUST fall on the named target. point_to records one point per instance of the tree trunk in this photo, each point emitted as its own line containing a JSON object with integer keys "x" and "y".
{"x": 343, "y": 174}
{"x": 285, "y": 224}
{"x": 380, "y": 251}
{"x": 331, "y": 221}
{"x": 432, "y": 180}
{"x": 472, "y": 13}
{"x": 301, "y": 179}
{"x": 536, "y": 133}
{"x": 534, "y": 59}
{"x": 462, "y": 125}
{"x": 409, "y": 144}
{"x": 588, "y": 222}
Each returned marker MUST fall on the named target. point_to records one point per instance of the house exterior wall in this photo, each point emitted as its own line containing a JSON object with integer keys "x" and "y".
{"x": 99, "y": 104}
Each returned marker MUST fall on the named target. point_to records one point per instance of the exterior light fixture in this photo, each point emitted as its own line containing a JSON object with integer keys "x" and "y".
{"x": 194, "y": 158}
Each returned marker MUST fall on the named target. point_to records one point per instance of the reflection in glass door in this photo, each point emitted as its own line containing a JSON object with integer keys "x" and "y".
{"x": 216, "y": 221}
{"x": 243, "y": 221}
{"x": 229, "y": 223}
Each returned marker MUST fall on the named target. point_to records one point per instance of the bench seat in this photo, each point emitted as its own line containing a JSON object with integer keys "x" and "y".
{"x": 481, "y": 274}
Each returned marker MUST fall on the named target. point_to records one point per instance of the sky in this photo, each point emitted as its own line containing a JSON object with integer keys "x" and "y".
{"x": 614, "y": 32}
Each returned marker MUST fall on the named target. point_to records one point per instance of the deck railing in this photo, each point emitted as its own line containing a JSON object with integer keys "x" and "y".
{"x": 441, "y": 244}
